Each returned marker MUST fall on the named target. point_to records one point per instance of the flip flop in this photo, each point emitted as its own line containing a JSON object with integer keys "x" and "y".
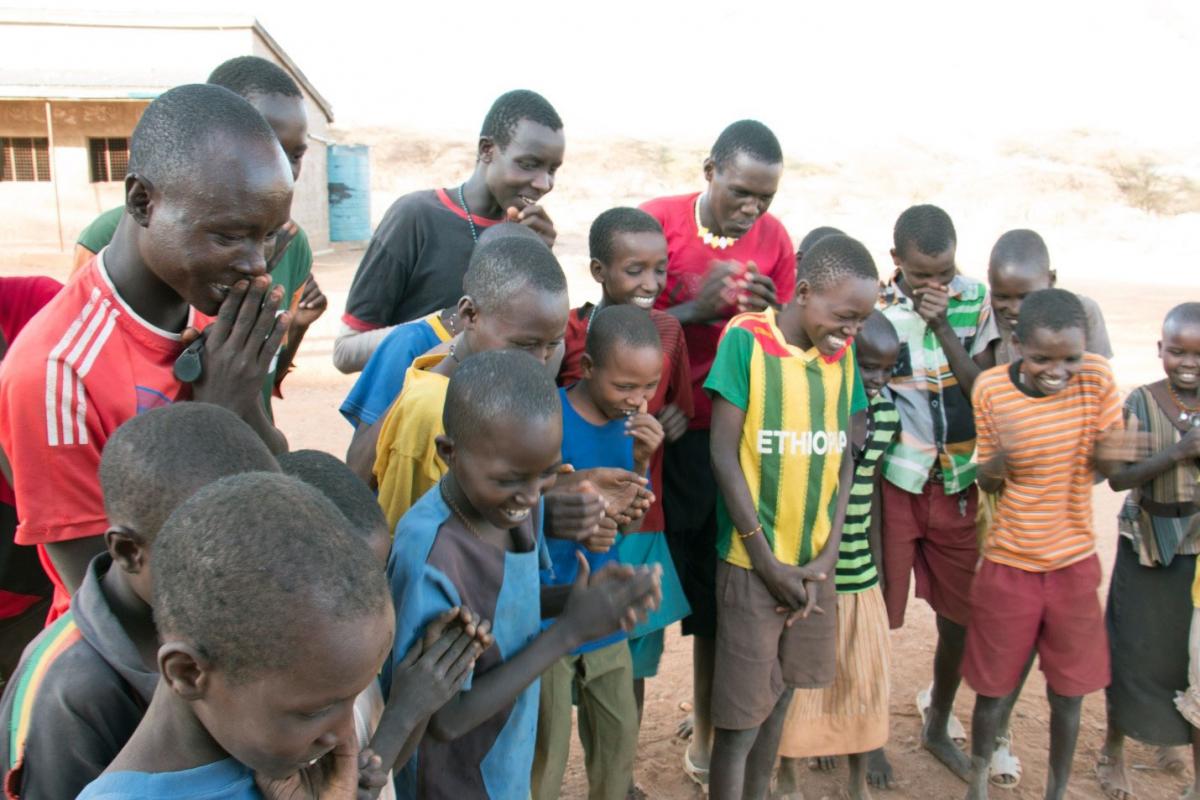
{"x": 954, "y": 728}
{"x": 1004, "y": 764}
{"x": 698, "y": 774}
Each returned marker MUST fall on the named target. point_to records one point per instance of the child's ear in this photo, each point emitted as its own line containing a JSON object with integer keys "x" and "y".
{"x": 445, "y": 448}
{"x": 486, "y": 150}
{"x": 137, "y": 198}
{"x": 895, "y": 256}
{"x": 710, "y": 169}
{"x": 1160, "y": 349}
{"x": 1016, "y": 344}
{"x": 597, "y": 270}
{"x": 468, "y": 312}
{"x": 127, "y": 548}
{"x": 1053, "y": 279}
{"x": 184, "y": 669}
{"x": 586, "y": 365}
{"x": 803, "y": 292}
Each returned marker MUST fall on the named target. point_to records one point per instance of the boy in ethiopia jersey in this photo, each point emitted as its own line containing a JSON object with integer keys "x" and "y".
{"x": 784, "y": 387}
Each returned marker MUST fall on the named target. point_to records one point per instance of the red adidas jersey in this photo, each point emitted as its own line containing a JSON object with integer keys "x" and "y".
{"x": 82, "y": 367}
{"x": 688, "y": 261}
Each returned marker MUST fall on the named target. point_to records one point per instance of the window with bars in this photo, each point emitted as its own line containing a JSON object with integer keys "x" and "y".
{"x": 108, "y": 159}
{"x": 24, "y": 159}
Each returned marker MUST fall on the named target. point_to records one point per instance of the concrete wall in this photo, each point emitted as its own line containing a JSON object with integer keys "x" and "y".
{"x": 28, "y": 215}
{"x": 113, "y": 60}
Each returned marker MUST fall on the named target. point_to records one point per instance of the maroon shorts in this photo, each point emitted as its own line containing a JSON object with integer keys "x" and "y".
{"x": 932, "y": 536}
{"x": 1056, "y": 613}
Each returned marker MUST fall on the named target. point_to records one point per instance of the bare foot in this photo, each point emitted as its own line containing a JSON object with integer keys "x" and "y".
{"x": 1170, "y": 760}
{"x": 823, "y": 763}
{"x": 879, "y": 770}
{"x": 684, "y": 729}
{"x": 1110, "y": 772}
{"x": 946, "y": 751}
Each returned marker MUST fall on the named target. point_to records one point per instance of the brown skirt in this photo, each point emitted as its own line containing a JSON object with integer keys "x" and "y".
{"x": 851, "y": 716}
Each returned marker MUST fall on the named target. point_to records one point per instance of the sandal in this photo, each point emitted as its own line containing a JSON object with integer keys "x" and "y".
{"x": 954, "y": 728}
{"x": 698, "y": 774}
{"x": 1005, "y": 770}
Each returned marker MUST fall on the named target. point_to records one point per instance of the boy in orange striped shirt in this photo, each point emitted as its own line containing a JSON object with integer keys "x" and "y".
{"x": 1046, "y": 423}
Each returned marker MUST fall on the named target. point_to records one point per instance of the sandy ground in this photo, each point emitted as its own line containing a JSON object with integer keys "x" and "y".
{"x": 1102, "y": 244}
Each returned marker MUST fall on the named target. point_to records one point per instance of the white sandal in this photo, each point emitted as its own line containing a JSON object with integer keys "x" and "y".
{"x": 1005, "y": 764}
{"x": 954, "y": 728}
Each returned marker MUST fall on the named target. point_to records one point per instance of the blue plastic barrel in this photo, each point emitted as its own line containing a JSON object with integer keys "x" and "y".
{"x": 349, "y": 168}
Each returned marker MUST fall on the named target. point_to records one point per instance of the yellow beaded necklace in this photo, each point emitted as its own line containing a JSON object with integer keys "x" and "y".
{"x": 708, "y": 237}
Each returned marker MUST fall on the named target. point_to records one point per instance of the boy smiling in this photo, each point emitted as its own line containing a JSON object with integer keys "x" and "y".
{"x": 207, "y": 191}
{"x": 415, "y": 262}
{"x": 777, "y": 547}
{"x": 1047, "y": 422}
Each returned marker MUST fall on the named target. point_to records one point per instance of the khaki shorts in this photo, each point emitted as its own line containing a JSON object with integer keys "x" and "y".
{"x": 758, "y": 656}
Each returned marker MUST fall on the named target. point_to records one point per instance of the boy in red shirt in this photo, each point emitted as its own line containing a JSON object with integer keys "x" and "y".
{"x": 725, "y": 255}
{"x": 207, "y": 190}
{"x": 24, "y": 588}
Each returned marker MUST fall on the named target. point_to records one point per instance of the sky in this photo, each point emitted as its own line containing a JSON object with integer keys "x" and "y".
{"x": 821, "y": 74}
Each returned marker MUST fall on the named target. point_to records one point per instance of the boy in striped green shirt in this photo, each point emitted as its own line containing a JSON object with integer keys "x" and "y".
{"x": 945, "y": 326}
{"x": 784, "y": 388}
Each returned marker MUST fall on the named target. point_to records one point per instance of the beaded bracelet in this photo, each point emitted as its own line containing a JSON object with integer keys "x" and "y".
{"x": 751, "y": 533}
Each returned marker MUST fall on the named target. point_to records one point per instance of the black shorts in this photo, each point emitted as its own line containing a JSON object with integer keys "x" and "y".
{"x": 690, "y": 505}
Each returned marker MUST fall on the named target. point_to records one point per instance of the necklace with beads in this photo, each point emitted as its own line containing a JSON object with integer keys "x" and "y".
{"x": 707, "y": 236}
{"x": 462, "y": 201}
{"x": 592, "y": 316}
{"x": 1188, "y": 414}
{"x": 458, "y": 511}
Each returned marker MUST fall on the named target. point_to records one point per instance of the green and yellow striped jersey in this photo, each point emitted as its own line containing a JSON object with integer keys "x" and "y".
{"x": 798, "y": 405}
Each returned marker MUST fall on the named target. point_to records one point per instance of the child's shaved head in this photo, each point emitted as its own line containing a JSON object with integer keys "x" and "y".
{"x": 338, "y": 483}
{"x": 833, "y": 259}
{"x": 249, "y": 75}
{"x": 1021, "y": 248}
{"x": 814, "y": 236}
{"x": 614, "y": 221}
{"x": 746, "y": 136}
{"x": 504, "y": 230}
{"x": 925, "y": 228}
{"x": 512, "y": 107}
{"x": 1181, "y": 315}
{"x": 243, "y": 567}
{"x": 506, "y": 387}
{"x": 615, "y": 326}
{"x": 161, "y": 457}
{"x": 878, "y": 334}
{"x": 179, "y": 130}
{"x": 1052, "y": 310}
{"x": 502, "y": 267}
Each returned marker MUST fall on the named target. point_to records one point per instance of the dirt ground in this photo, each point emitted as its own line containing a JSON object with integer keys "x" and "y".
{"x": 1095, "y": 236}
{"x": 308, "y": 415}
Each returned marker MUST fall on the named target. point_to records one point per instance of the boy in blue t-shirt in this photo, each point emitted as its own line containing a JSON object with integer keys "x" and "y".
{"x": 605, "y": 424}
{"x": 474, "y": 540}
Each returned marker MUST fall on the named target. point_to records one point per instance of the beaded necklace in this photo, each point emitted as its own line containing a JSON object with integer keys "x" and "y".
{"x": 1188, "y": 414}
{"x": 458, "y": 511}
{"x": 462, "y": 200}
{"x": 710, "y": 238}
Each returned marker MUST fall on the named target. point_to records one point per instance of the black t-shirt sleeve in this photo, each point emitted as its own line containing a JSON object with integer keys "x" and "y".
{"x": 382, "y": 280}
{"x": 83, "y": 716}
